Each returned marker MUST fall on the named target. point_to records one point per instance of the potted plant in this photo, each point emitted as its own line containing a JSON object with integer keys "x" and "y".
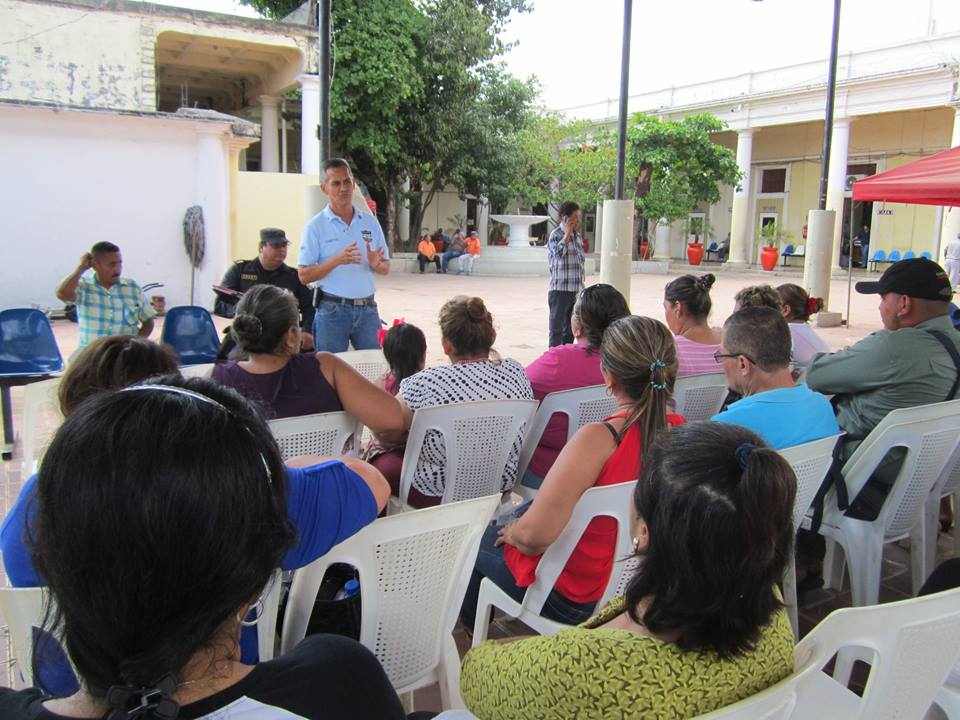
{"x": 770, "y": 236}
{"x": 695, "y": 247}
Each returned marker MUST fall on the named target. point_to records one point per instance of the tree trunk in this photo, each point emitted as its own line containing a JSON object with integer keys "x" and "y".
{"x": 390, "y": 188}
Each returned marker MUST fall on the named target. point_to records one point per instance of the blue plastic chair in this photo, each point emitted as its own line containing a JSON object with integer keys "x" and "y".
{"x": 787, "y": 251}
{"x": 909, "y": 255}
{"x": 894, "y": 256}
{"x": 926, "y": 255}
{"x": 879, "y": 256}
{"x": 955, "y": 315}
{"x": 712, "y": 247}
{"x": 190, "y": 331}
{"x": 28, "y": 353}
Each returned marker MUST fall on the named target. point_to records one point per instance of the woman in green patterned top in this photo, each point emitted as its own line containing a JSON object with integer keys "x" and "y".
{"x": 694, "y": 631}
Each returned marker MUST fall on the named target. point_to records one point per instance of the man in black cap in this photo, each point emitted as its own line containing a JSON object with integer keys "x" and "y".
{"x": 914, "y": 360}
{"x": 267, "y": 268}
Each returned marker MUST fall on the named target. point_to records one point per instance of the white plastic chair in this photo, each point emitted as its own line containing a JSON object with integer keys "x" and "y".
{"x": 810, "y": 463}
{"x": 369, "y": 363}
{"x": 318, "y": 434}
{"x": 202, "y": 370}
{"x": 41, "y": 412}
{"x": 478, "y": 439}
{"x": 947, "y": 485}
{"x": 267, "y": 625}
{"x": 911, "y": 646}
{"x": 929, "y": 433}
{"x": 699, "y": 397}
{"x": 580, "y": 405}
{"x": 24, "y": 609}
{"x": 612, "y": 501}
{"x": 414, "y": 569}
{"x": 948, "y": 696}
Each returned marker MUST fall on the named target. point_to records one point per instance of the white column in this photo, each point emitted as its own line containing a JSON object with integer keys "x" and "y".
{"x": 213, "y": 195}
{"x": 661, "y": 244}
{"x": 309, "y": 121}
{"x": 269, "y": 133}
{"x": 741, "y": 240}
{"x": 283, "y": 137}
{"x": 483, "y": 220}
{"x": 616, "y": 260}
{"x": 403, "y": 213}
{"x": 950, "y": 227}
{"x": 598, "y": 228}
{"x": 837, "y": 182}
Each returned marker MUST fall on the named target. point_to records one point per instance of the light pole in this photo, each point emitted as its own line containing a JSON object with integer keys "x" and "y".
{"x": 323, "y": 27}
{"x": 616, "y": 247}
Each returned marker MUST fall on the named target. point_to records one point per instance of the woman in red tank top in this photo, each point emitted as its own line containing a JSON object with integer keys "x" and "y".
{"x": 639, "y": 365}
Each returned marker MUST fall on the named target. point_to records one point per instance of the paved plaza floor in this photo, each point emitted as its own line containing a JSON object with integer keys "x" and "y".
{"x": 519, "y": 307}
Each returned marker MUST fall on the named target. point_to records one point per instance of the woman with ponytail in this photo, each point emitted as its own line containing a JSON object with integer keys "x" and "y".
{"x": 475, "y": 372}
{"x": 288, "y": 383}
{"x": 686, "y": 310}
{"x": 797, "y": 307}
{"x": 638, "y": 362}
{"x": 700, "y": 625}
{"x": 160, "y": 516}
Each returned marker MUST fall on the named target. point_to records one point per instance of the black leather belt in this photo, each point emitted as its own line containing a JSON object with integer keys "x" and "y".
{"x": 327, "y": 297}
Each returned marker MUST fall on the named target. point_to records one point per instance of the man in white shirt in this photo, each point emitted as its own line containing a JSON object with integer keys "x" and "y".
{"x": 952, "y": 260}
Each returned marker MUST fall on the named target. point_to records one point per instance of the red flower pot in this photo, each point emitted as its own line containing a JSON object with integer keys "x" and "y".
{"x": 695, "y": 253}
{"x": 768, "y": 257}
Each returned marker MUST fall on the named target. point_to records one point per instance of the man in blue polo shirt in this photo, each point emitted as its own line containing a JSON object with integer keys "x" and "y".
{"x": 755, "y": 355}
{"x": 341, "y": 250}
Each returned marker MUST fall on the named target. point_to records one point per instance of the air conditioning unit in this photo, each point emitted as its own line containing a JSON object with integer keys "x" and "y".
{"x": 851, "y": 179}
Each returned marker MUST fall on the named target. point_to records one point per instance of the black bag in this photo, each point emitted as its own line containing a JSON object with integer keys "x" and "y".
{"x": 336, "y": 617}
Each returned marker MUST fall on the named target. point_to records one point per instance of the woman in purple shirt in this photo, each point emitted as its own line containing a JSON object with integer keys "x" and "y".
{"x": 288, "y": 383}
{"x": 566, "y": 367}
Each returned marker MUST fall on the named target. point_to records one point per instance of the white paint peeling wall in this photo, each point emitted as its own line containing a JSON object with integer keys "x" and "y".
{"x": 57, "y": 54}
{"x": 91, "y": 176}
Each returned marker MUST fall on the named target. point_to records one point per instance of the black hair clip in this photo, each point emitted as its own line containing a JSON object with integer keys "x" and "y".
{"x": 131, "y": 703}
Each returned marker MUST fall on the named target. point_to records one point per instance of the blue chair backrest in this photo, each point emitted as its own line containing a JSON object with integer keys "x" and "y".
{"x": 190, "y": 331}
{"x": 955, "y": 315}
{"x": 788, "y": 250}
{"x": 878, "y": 256}
{"x": 925, "y": 255}
{"x": 712, "y": 248}
{"x": 909, "y": 255}
{"x": 27, "y": 345}
{"x": 894, "y": 256}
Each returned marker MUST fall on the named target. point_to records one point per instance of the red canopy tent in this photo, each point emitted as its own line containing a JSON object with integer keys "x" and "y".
{"x": 933, "y": 180}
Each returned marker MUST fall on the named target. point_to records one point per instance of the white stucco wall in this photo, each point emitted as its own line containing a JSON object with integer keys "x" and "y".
{"x": 75, "y": 178}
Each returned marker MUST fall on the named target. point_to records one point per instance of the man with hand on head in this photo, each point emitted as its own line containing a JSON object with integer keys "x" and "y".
{"x": 341, "y": 250}
{"x": 565, "y": 262}
{"x": 107, "y": 304}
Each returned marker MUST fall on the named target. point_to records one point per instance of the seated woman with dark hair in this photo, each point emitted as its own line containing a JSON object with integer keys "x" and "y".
{"x": 701, "y": 624}
{"x": 161, "y": 514}
{"x": 686, "y": 310}
{"x": 569, "y": 366}
{"x": 475, "y": 372}
{"x": 289, "y": 383}
{"x": 329, "y": 500}
{"x": 797, "y": 308}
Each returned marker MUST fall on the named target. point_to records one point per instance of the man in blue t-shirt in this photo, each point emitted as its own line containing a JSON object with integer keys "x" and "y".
{"x": 755, "y": 355}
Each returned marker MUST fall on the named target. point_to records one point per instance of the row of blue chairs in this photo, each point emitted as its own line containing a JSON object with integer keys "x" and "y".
{"x": 29, "y": 351}
{"x": 880, "y": 257}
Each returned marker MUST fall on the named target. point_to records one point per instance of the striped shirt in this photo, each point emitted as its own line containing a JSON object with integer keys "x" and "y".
{"x": 117, "y": 311}
{"x": 565, "y": 261}
{"x": 695, "y": 358}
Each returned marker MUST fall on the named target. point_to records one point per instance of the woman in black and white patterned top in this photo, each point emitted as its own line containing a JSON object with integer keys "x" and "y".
{"x": 475, "y": 372}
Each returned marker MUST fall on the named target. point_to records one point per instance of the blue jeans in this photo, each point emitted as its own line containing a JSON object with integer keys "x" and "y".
{"x": 336, "y": 324}
{"x": 447, "y": 257}
{"x": 490, "y": 564}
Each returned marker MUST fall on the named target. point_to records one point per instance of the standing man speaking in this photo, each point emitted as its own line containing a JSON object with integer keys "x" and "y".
{"x": 565, "y": 262}
{"x": 341, "y": 250}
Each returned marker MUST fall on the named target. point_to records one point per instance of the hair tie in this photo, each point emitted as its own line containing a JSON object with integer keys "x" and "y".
{"x": 128, "y": 702}
{"x": 658, "y": 363}
{"x": 742, "y": 454}
{"x": 812, "y": 305}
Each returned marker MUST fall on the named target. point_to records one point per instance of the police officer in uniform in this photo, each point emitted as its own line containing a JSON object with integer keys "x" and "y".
{"x": 268, "y": 268}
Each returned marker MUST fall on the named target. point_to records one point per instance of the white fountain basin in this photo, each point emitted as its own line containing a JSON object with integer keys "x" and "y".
{"x": 519, "y": 233}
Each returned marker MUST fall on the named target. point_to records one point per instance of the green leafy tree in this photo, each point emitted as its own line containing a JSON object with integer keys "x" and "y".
{"x": 675, "y": 165}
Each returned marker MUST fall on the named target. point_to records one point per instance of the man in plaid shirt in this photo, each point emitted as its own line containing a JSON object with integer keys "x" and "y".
{"x": 107, "y": 304}
{"x": 565, "y": 259}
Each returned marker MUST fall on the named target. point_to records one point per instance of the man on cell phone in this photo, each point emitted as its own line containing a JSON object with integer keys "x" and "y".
{"x": 565, "y": 259}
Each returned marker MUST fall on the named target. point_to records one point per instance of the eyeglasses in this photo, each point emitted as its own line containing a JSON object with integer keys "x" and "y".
{"x": 718, "y": 356}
